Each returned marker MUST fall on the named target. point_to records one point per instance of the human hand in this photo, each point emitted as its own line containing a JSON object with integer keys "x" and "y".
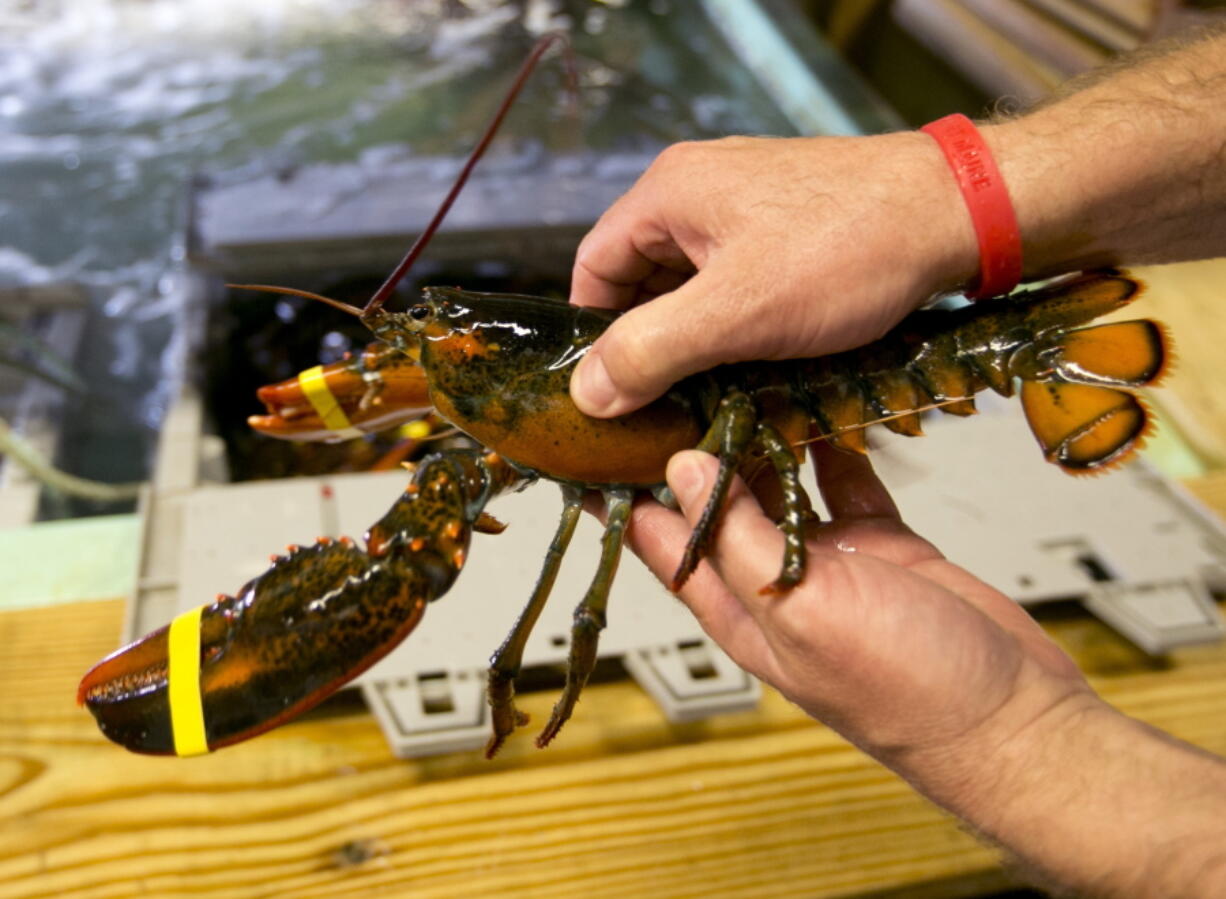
{"x": 950, "y": 683}
{"x": 758, "y": 248}
{"x": 903, "y": 652}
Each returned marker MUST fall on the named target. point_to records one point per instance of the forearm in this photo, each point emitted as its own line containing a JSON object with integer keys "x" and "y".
{"x": 1129, "y": 169}
{"x": 842, "y": 237}
{"x": 1090, "y": 800}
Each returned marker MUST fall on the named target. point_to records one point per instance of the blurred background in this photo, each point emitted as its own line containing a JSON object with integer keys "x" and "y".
{"x": 117, "y": 116}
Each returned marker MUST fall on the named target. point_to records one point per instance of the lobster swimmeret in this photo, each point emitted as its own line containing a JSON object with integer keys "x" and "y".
{"x": 498, "y": 366}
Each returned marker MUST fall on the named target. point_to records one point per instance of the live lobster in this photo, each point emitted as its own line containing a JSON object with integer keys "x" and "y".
{"x": 497, "y": 366}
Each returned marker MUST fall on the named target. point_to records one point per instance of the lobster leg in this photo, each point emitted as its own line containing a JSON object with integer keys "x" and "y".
{"x": 796, "y": 508}
{"x": 590, "y": 614}
{"x": 730, "y": 434}
{"x": 506, "y": 662}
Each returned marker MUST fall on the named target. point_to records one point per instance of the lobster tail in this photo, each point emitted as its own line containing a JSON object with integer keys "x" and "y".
{"x": 1078, "y": 383}
{"x": 1081, "y": 407}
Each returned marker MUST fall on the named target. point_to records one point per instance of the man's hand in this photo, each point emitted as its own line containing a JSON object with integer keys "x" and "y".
{"x": 781, "y": 248}
{"x": 950, "y": 683}
{"x": 796, "y": 247}
{"x": 899, "y": 649}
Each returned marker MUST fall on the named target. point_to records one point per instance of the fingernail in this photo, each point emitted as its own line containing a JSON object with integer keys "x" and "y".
{"x": 593, "y": 389}
{"x": 685, "y": 478}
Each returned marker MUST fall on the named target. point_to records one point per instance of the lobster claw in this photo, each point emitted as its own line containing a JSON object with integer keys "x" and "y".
{"x": 379, "y": 388}
{"x": 245, "y": 664}
{"x": 320, "y": 616}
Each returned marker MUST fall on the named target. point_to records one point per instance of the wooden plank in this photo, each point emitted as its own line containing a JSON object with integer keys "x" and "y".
{"x": 845, "y": 19}
{"x": 259, "y": 228}
{"x": 1210, "y": 490}
{"x": 765, "y": 803}
{"x": 755, "y": 804}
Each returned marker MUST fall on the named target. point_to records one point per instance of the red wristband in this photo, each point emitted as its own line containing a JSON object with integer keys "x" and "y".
{"x": 987, "y": 200}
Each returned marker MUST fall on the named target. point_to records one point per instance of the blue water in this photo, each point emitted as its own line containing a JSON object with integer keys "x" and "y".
{"x": 108, "y": 108}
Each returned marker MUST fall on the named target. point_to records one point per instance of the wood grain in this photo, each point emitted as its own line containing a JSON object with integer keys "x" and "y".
{"x": 757, "y": 804}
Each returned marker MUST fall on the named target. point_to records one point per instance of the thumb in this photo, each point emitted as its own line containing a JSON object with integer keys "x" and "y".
{"x": 651, "y": 347}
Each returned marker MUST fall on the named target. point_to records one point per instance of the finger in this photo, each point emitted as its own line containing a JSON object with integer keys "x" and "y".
{"x": 763, "y": 482}
{"x": 662, "y": 280}
{"x": 658, "y": 536}
{"x": 610, "y": 281}
{"x": 625, "y": 247}
{"x": 747, "y": 548}
{"x": 703, "y": 323}
{"x": 849, "y": 486}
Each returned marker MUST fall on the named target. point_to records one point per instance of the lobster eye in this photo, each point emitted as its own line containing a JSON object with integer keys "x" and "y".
{"x": 420, "y": 312}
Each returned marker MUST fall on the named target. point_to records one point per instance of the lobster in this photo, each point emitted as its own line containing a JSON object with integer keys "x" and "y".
{"x": 497, "y": 367}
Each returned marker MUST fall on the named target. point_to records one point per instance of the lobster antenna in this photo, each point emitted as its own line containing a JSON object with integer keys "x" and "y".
{"x": 294, "y": 292}
{"x": 538, "y": 50}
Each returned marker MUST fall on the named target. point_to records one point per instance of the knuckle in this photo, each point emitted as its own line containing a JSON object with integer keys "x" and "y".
{"x": 678, "y": 155}
{"x": 630, "y": 361}
{"x": 587, "y": 253}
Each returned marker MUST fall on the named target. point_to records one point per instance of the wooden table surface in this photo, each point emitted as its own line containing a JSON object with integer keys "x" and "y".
{"x": 625, "y": 804}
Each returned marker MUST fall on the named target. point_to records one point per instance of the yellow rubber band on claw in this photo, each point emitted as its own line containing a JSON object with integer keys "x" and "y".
{"x": 315, "y": 386}
{"x": 186, "y": 703}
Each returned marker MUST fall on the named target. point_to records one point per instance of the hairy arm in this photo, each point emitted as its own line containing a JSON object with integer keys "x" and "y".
{"x": 1090, "y": 800}
{"x": 753, "y": 248}
{"x": 951, "y": 684}
{"x": 1127, "y": 167}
